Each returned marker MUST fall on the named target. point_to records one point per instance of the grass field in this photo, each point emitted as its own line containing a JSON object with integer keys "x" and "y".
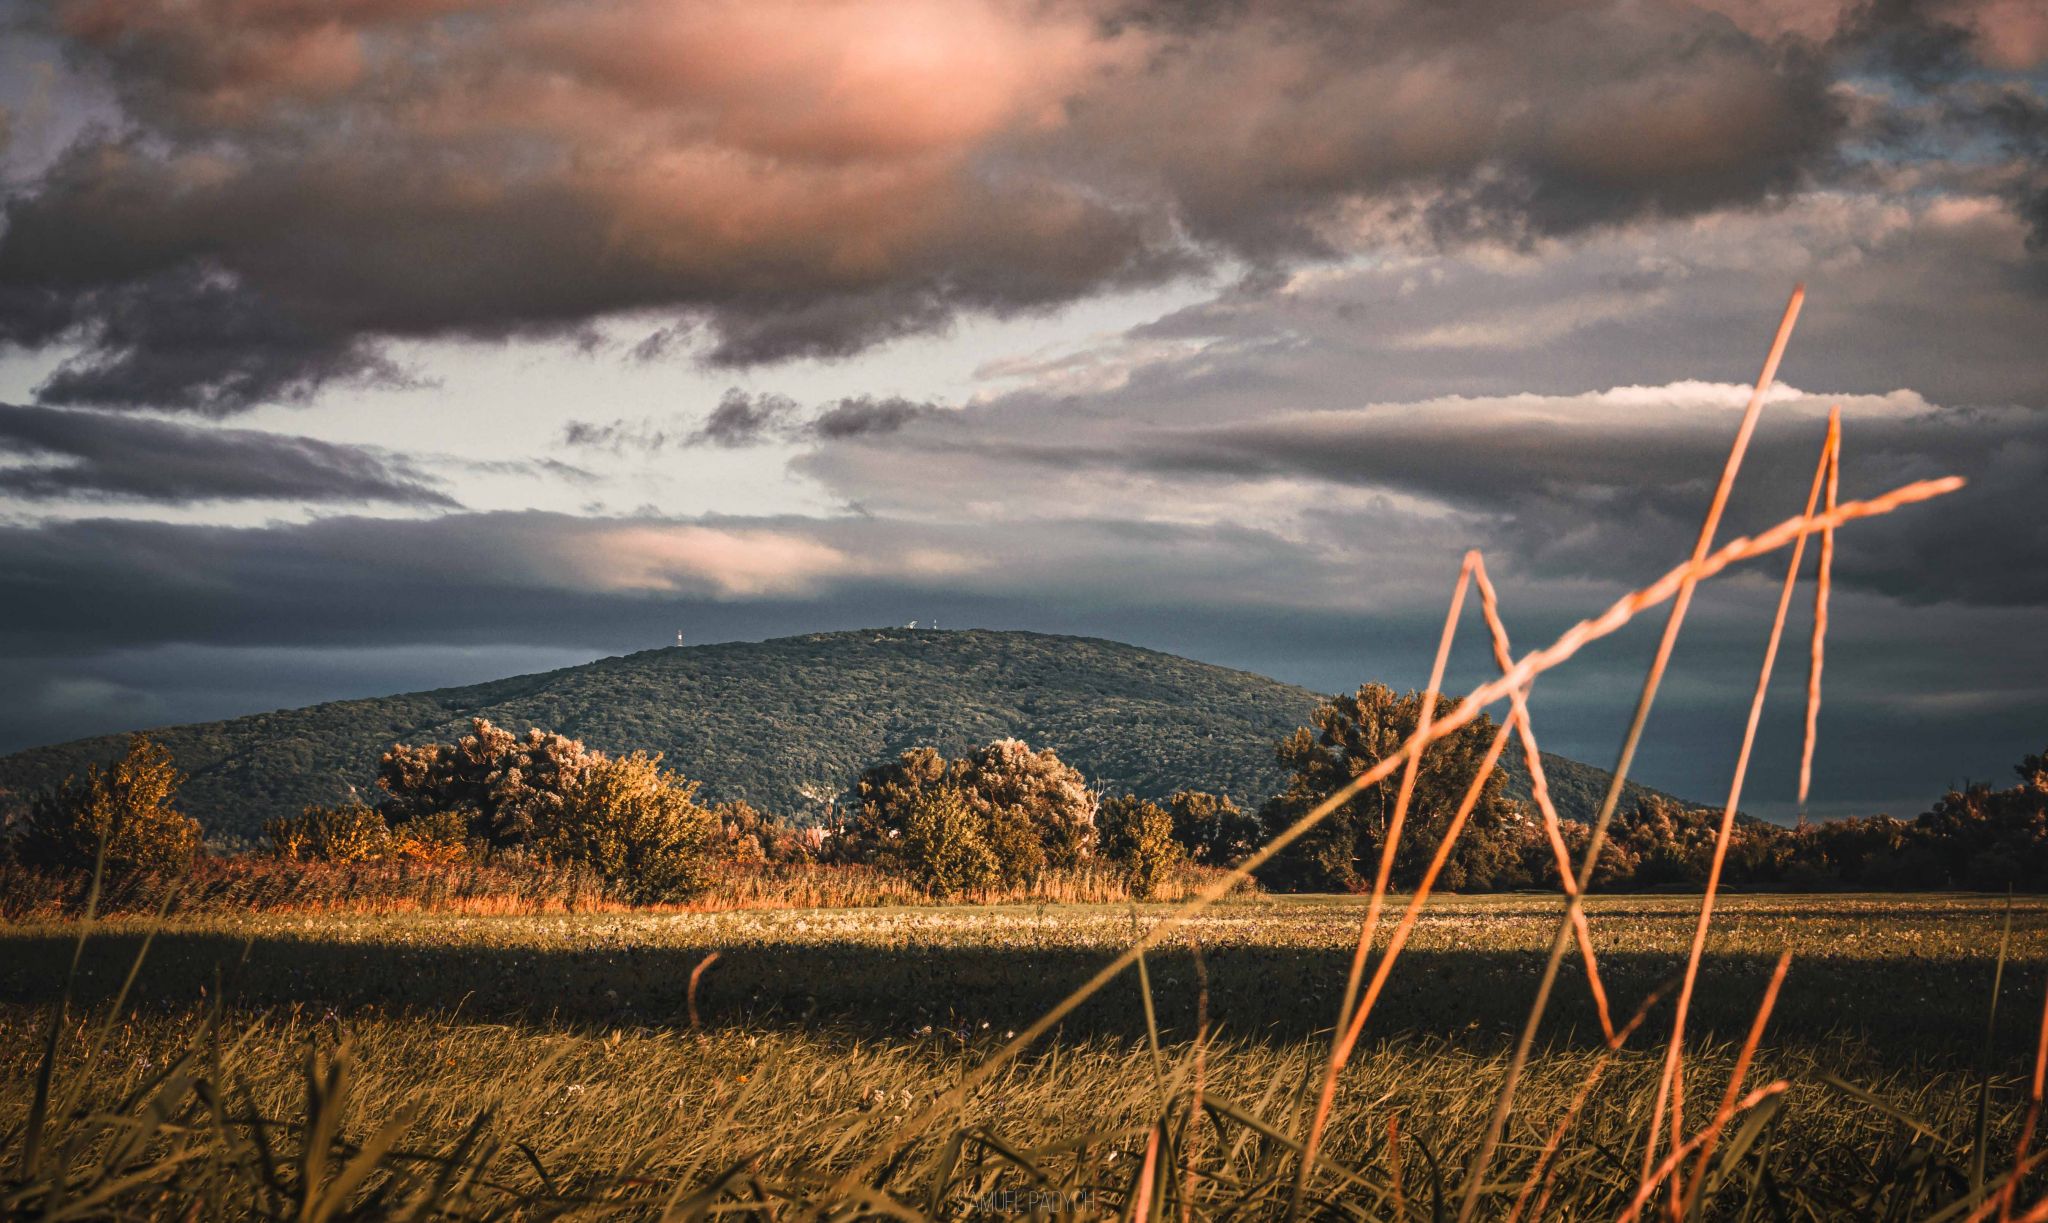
{"x": 816, "y": 1032}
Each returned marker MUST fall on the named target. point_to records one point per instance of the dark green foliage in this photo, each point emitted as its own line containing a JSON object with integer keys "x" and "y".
{"x": 753, "y": 836}
{"x": 1978, "y": 838}
{"x": 1036, "y": 810}
{"x": 1353, "y": 733}
{"x": 785, "y": 724}
{"x": 1994, "y": 839}
{"x": 637, "y": 825}
{"x": 943, "y": 845}
{"x": 350, "y": 832}
{"x": 1136, "y": 835}
{"x": 881, "y": 802}
{"x": 1213, "y": 829}
{"x": 1030, "y": 810}
{"x": 129, "y": 805}
{"x": 508, "y": 787}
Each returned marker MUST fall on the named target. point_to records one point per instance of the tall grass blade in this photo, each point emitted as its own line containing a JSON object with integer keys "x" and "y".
{"x": 1980, "y": 1133}
{"x": 1681, "y": 601}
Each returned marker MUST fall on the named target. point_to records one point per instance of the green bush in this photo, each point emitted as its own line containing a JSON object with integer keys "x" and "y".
{"x": 511, "y": 786}
{"x": 1030, "y": 810}
{"x": 1351, "y": 734}
{"x": 1137, "y": 838}
{"x": 1213, "y": 830}
{"x": 942, "y": 844}
{"x": 440, "y": 836}
{"x": 351, "y": 832}
{"x": 129, "y": 805}
{"x": 637, "y": 826}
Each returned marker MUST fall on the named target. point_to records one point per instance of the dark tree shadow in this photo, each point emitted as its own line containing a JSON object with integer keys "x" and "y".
{"x": 1905, "y": 1009}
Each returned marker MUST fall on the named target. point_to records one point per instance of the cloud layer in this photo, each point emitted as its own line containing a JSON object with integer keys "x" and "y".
{"x": 283, "y": 187}
{"x": 94, "y": 456}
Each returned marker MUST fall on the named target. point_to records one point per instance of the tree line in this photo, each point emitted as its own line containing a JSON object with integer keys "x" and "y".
{"x": 1005, "y": 815}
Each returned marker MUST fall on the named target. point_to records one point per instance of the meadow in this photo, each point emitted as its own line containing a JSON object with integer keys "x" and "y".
{"x": 604, "y": 1080}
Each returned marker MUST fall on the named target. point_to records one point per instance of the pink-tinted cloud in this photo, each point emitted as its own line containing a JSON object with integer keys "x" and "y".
{"x": 809, "y": 177}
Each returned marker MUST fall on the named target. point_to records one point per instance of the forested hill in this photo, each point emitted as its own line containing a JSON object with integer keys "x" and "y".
{"x": 784, "y": 723}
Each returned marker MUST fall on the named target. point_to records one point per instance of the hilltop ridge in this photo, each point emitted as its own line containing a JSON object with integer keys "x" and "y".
{"x": 786, "y": 723}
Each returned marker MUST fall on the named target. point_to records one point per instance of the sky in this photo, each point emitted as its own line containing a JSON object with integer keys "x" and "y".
{"x": 359, "y": 346}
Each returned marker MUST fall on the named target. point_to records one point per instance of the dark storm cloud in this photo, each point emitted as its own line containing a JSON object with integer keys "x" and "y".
{"x": 193, "y": 341}
{"x": 741, "y": 419}
{"x": 863, "y": 416}
{"x": 97, "y": 456}
{"x": 300, "y": 184}
{"x": 1579, "y": 490}
{"x": 84, "y": 586}
{"x": 1466, "y": 120}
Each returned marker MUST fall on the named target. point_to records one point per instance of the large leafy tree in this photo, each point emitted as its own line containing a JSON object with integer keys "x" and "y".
{"x": 942, "y": 845}
{"x": 1350, "y": 734}
{"x": 1213, "y": 830}
{"x": 1030, "y": 809}
{"x": 1038, "y": 808}
{"x": 882, "y": 801}
{"x": 509, "y": 787}
{"x": 637, "y": 825}
{"x": 1137, "y": 838}
{"x": 129, "y": 805}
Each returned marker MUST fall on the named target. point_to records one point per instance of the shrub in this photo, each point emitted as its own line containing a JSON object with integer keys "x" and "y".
{"x": 511, "y": 787}
{"x": 637, "y": 826}
{"x": 1213, "y": 830}
{"x": 1137, "y": 838}
{"x": 745, "y": 831}
{"x": 129, "y": 805}
{"x": 882, "y": 800}
{"x": 1032, "y": 810}
{"x": 942, "y": 847}
{"x": 753, "y": 836}
{"x": 352, "y": 832}
{"x": 432, "y": 839}
{"x": 1038, "y": 809}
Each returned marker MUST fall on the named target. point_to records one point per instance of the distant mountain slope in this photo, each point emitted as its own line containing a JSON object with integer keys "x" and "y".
{"x": 782, "y": 723}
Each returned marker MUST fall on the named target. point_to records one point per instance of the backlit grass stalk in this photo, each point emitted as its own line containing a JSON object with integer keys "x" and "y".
{"x": 1348, "y": 1037}
{"x": 1390, "y": 841}
{"x": 1670, "y": 1084}
{"x": 1539, "y": 786}
{"x": 1681, "y": 601}
{"x": 1817, "y": 652}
